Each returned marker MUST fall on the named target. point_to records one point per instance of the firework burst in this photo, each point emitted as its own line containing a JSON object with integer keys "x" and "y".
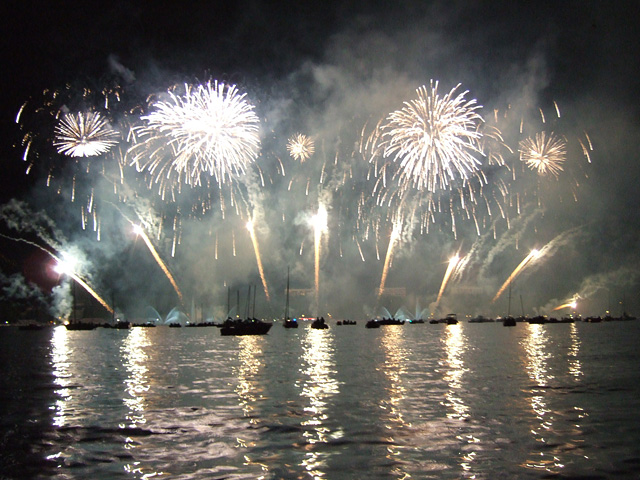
{"x": 301, "y": 147}
{"x": 545, "y": 153}
{"x": 435, "y": 139}
{"x": 85, "y": 134}
{"x": 210, "y": 129}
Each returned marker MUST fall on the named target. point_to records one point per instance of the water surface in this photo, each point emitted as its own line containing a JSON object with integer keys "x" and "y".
{"x": 412, "y": 401}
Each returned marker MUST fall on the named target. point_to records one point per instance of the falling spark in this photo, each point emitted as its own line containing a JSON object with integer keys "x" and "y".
{"x": 139, "y": 231}
{"x": 84, "y": 135}
{"x": 532, "y": 255}
{"x": 254, "y": 240}
{"x": 233, "y": 242}
{"x": 450, "y": 268}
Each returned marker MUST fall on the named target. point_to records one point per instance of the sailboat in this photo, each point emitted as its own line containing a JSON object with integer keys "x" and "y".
{"x": 288, "y": 322}
{"x": 249, "y": 326}
{"x": 509, "y": 321}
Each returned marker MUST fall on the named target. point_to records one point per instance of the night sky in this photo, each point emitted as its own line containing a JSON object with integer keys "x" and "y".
{"x": 330, "y": 71}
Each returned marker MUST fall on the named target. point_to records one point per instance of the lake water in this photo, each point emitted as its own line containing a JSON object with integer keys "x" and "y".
{"x": 413, "y": 401}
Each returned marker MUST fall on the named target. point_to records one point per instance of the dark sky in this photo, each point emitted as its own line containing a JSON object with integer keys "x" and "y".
{"x": 327, "y": 69}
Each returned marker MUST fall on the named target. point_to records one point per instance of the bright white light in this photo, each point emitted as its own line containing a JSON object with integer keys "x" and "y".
{"x": 66, "y": 266}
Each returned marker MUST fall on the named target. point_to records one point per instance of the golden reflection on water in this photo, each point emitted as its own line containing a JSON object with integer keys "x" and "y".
{"x": 61, "y": 372}
{"x": 455, "y": 345}
{"x": 250, "y": 363}
{"x": 394, "y": 369}
{"x": 135, "y": 359}
{"x": 319, "y": 385}
{"x": 535, "y": 345}
{"x": 249, "y": 388}
{"x": 538, "y": 346}
{"x": 575, "y": 366}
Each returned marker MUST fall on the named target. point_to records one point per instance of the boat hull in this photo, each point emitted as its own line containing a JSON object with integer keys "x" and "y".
{"x": 241, "y": 327}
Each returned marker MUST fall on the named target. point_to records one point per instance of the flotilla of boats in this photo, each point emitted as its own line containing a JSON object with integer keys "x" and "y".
{"x": 255, "y": 326}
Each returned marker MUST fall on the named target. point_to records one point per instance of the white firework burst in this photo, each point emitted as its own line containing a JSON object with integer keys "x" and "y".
{"x": 301, "y": 147}
{"x": 435, "y": 139}
{"x": 545, "y": 153}
{"x": 84, "y": 134}
{"x": 211, "y": 128}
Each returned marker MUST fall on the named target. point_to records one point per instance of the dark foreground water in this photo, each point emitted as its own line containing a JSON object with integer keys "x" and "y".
{"x": 412, "y": 401}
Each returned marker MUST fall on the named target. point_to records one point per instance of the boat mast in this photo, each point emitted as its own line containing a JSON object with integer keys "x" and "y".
{"x": 509, "y": 305}
{"x": 286, "y": 308}
{"x": 248, "y": 301}
{"x": 253, "y": 313}
{"x": 73, "y": 308}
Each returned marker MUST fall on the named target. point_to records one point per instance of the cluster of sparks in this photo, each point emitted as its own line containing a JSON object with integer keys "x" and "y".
{"x": 544, "y": 153}
{"x": 210, "y": 129}
{"x": 428, "y": 157}
{"x": 301, "y": 147}
{"x": 84, "y": 135}
{"x": 434, "y": 139}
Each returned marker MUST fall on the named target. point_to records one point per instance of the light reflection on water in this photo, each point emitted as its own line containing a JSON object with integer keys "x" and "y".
{"x": 459, "y": 401}
{"x": 546, "y": 359}
{"x": 135, "y": 358}
{"x": 575, "y": 365}
{"x": 319, "y": 384}
{"x": 394, "y": 369}
{"x": 61, "y": 373}
{"x": 455, "y": 346}
{"x": 248, "y": 388}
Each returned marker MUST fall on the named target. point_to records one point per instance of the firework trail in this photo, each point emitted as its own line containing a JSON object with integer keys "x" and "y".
{"x": 66, "y": 267}
{"x": 573, "y": 304}
{"x": 545, "y": 153}
{"x": 453, "y": 262}
{"x": 84, "y": 135}
{"x": 393, "y": 239}
{"x": 532, "y": 255}
{"x": 256, "y": 249}
{"x": 210, "y": 129}
{"x": 300, "y": 147}
{"x": 139, "y": 231}
{"x": 435, "y": 139}
{"x": 319, "y": 222}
